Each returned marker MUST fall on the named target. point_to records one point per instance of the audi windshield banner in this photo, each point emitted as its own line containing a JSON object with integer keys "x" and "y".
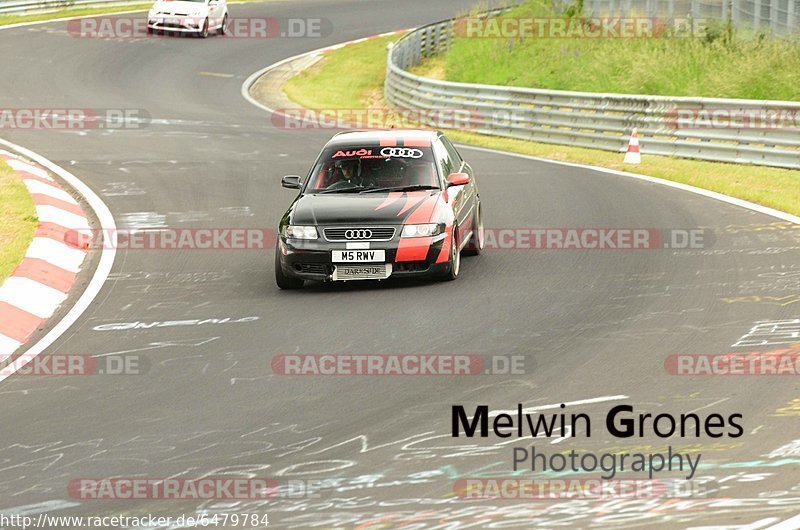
{"x": 412, "y": 265}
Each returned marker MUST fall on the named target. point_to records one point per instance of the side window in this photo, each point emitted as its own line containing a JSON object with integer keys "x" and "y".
{"x": 454, "y": 156}
{"x": 443, "y": 158}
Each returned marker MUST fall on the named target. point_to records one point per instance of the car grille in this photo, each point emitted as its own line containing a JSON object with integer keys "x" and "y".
{"x": 375, "y": 233}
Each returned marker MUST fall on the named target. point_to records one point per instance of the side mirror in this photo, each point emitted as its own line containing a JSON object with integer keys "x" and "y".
{"x": 457, "y": 179}
{"x": 291, "y": 181}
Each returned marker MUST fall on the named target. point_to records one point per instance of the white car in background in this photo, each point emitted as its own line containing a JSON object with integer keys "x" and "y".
{"x": 199, "y": 17}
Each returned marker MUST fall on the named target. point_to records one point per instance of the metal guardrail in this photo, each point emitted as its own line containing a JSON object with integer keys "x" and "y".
{"x": 583, "y": 119}
{"x": 16, "y": 7}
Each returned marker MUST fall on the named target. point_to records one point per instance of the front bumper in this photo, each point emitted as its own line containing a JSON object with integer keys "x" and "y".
{"x": 180, "y": 24}
{"x": 312, "y": 259}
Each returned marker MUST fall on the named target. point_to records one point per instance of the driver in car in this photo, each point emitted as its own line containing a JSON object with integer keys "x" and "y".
{"x": 349, "y": 175}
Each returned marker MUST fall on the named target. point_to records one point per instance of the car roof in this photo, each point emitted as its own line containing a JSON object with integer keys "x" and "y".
{"x": 392, "y": 137}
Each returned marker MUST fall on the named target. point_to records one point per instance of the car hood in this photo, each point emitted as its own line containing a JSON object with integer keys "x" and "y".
{"x": 181, "y": 7}
{"x": 354, "y": 208}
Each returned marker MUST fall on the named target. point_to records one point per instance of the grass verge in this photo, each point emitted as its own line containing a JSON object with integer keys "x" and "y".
{"x": 17, "y": 220}
{"x": 352, "y": 77}
{"x": 718, "y": 61}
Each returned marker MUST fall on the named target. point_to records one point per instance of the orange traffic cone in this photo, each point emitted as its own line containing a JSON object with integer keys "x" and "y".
{"x": 632, "y": 156}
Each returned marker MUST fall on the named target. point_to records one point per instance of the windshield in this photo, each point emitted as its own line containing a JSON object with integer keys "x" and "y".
{"x": 358, "y": 168}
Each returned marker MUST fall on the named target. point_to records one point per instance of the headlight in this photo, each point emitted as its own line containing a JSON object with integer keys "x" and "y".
{"x": 300, "y": 232}
{"x": 425, "y": 230}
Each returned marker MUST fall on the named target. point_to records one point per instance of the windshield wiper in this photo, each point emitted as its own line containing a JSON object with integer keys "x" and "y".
{"x": 402, "y": 188}
{"x": 345, "y": 190}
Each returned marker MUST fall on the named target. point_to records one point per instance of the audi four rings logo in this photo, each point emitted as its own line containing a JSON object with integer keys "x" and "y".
{"x": 358, "y": 234}
{"x": 401, "y": 152}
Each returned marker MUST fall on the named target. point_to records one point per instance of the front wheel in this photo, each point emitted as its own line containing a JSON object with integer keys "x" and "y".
{"x": 223, "y": 29}
{"x": 204, "y": 32}
{"x": 478, "y": 240}
{"x": 283, "y": 281}
{"x": 454, "y": 262}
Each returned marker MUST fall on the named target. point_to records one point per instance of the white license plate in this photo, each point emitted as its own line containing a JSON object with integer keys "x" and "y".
{"x": 362, "y": 272}
{"x": 358, "y": 256}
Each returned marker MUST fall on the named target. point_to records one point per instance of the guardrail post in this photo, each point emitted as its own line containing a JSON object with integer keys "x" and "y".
{"x": 756, "y": 14}
{"x": 428, "y": 42}
{"x": 790, "y": 17}
{"x": 387, "y": 84}
{"x": 449, "y": 35}
{"x": 773, "y": 17}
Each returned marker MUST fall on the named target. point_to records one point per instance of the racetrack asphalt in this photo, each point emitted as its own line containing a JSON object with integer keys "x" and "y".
{"x": 590, "y": 324}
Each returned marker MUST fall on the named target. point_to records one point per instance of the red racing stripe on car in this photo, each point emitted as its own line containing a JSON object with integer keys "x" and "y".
{"x": 416, "y": 140}
{"x": 413, "y": 249}
{"x": 422, "y": 213}
{"x": 416, "y": 248}
{"x": 393, "y": 197}
{"x": 444, "y": 254}
{"x": 413, "y": 198}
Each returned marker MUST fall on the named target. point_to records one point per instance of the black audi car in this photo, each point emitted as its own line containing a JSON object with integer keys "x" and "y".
{"x": 380, "y": 204}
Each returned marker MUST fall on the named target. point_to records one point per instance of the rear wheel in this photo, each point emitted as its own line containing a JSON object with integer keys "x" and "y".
{"x": 454, "y": 262}
{"x": 283, "y": 281}
{"x": 477, "y": 240}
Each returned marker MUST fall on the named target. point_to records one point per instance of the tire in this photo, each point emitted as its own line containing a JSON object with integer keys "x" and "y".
{"x": 477, "y": 240}
{"x": 204, "y": 32}
{"x": 454, "y": 262}
{"x": 283, "y": 281}
{"x": 149, "y": 30}
{"x": 223, "y": 29}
